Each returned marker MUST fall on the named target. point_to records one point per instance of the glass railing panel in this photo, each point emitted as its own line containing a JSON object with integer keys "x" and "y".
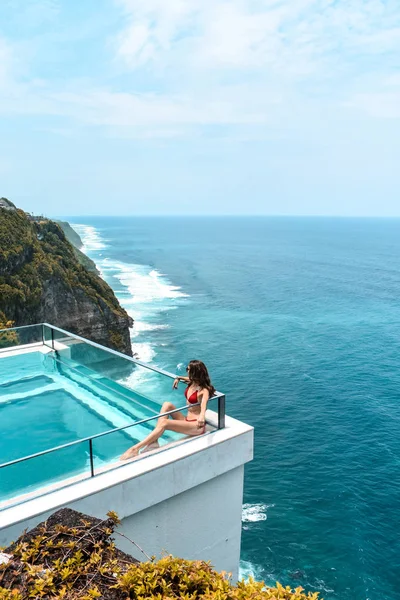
{"x": 64, "y": 466}
{"x": 39, "y": 474}
{"x": 109, "y": 447}
{"x": 148, "y": 386}
{"x": 82, "y": 354}
{"x": 19, "y": 336}
{"x": 134, "y": 387}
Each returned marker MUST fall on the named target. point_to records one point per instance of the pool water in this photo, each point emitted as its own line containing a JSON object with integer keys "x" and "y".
{"x": 47, "y": 400}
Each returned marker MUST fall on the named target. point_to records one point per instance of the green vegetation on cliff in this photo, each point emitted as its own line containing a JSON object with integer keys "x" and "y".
{"x": 71, "y": 556}
{"x": 41, "y": 279}
{"x": 7, "y": 338}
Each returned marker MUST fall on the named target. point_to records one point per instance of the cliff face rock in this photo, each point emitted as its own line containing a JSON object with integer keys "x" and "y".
{"x": 42, "y": 280}
{"x": 70, "y": 234}
{"x": 4, "y": 203}
{"x": 75, "y": 239}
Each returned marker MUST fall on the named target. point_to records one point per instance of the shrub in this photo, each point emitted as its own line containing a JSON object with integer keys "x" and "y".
{"x": 72, "y": 557}
{"x": 7, "y": 338}
{"x": 175, "y": 578}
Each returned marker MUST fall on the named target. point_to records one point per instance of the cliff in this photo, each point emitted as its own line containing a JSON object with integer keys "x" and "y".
{"x": 42, "y": 280}
{"x": 70, "y": 234}
{"x": 77, "y": 244}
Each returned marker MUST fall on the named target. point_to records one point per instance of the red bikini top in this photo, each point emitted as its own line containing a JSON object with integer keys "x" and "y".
{"x": 193, "y": 398}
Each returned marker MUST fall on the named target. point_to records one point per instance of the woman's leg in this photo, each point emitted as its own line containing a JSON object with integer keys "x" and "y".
{"x": 178, "y": 416}
{"x": 166, "y": 407}
{"x": 153, "y": 437}
{"x": 185, "y": 427}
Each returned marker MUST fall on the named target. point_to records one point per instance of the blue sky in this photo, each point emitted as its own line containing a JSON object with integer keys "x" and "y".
{"x": 200, "y": 106}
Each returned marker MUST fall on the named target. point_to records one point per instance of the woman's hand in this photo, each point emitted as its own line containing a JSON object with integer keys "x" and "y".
{"x": 201, "y": 422}
{"x": 176, "y": 383}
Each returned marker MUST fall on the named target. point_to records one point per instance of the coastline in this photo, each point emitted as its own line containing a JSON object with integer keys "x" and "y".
{"x": 144, "y": 292}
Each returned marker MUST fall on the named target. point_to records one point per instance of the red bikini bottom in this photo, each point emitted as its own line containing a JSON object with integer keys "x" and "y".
{"x": 192, "y": 421}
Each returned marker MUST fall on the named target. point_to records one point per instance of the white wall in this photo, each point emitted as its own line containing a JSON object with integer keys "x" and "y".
{"x": 202, "y": 523}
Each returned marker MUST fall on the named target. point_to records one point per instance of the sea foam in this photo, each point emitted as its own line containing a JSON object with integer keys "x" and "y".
{"x": 145, "y": 293}
{"x": 91, "y": 238}
{"x": 248, "y": 569}
{"x": 146, "y": 284}
{"x": 252, "y": 513}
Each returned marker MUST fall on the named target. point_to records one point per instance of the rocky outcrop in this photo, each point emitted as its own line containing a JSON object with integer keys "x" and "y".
{"x": 6, "y": 204}
{"x": 70, "y": 555}
{"x": 70, "y": 233}
{"x": 75, "y": 239}
{"x": 42, "y": 280}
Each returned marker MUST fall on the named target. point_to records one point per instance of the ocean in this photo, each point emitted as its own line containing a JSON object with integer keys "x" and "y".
{"x": 298, "y": 320}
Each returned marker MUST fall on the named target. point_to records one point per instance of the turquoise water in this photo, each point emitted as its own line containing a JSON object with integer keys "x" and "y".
{"x": 47, "y": 401}
{"x": 299, "y": 322}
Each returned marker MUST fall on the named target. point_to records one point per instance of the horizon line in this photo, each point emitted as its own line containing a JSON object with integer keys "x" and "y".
{"x": 236, "y": 216}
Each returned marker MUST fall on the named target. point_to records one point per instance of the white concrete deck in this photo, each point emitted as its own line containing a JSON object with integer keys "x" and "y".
{"x": 24, "y": 349}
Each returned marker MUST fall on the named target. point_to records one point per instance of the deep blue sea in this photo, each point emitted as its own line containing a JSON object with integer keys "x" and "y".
{"x": 298, "y": 320}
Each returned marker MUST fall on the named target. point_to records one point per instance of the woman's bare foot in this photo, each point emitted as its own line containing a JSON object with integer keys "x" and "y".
{"x": 153, "y": 446}
{"x": 130, "y": 453}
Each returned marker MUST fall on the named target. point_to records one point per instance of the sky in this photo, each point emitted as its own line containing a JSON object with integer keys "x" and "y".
{"x": 141, "y": 107}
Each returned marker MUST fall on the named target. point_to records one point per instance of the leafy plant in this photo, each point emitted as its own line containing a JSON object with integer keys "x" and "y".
{"x": 7, "y": 338}
{"x": 78, "y": 560}
{"x": 175, "y": 578}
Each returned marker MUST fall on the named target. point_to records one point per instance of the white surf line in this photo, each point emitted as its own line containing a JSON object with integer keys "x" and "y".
{"x": 151, "y": 293}
{"x": 91, "y": 238}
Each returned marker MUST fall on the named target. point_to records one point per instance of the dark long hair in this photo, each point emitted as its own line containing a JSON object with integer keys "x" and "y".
{"x": 197, "y": 372}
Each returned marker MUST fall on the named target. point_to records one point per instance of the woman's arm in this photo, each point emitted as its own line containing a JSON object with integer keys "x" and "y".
{"x": 204, "y": 397}
{"x": 178, "y": 379}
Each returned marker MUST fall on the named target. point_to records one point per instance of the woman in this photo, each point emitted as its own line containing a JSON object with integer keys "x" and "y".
{"x": 199, "y": 390}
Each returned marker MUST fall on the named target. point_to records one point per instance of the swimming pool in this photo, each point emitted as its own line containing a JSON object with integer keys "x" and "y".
{"x": 50, "y": 399}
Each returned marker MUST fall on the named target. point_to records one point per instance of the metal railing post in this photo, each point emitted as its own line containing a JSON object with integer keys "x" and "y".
{"x": 42, "y": 334}
{"x": 221, "y": 412}
{"x": 52, "y": 338}
{"x": 91, "y": 457}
